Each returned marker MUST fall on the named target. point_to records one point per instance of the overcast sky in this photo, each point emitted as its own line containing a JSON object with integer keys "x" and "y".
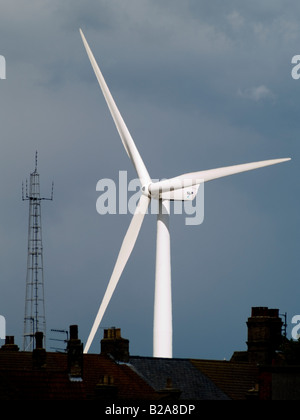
{"x": 200, "y": 84}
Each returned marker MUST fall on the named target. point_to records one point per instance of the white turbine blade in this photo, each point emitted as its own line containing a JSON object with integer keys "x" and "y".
{"x": 124, "y": 254}
{"x": 126, "y": 138}
{"x": 195, "y": 178}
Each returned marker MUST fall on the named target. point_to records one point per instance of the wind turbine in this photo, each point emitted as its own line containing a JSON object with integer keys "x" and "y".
{"x": 177, "y": 188}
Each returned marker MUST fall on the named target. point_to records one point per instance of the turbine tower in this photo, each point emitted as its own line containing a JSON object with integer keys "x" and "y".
{"x": 182, "y": 188}
{"x": 34, "y": 318}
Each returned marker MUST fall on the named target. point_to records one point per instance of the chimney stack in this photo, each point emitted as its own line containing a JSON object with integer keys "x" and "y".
{"x": 75, "y": 354}
{"x": 106, "y": 390}
{"x": 113, "y": 344}
{"x": 264, "y": 334}
{"x": 9, "y": 344}
{"x": 39, "y": 353}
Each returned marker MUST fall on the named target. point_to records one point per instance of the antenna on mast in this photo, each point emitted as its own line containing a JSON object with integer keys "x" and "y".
{"x": 36, "y": 155}
{"x": 34, "y": 318}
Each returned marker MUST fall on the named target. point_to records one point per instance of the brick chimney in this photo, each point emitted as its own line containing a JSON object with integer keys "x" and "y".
{"x": 39, "y": 336}
{"x": 106, "y": 389}
{"x": 9, "y": 344}
{"x": 264, "y": 335}
{"x": 39, "y": 353}
{"x": 113, "y": 344}
{"x": 75, "y": 354}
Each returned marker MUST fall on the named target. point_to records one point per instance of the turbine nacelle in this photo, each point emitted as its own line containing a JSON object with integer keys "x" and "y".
{"x": 180, "y": 190}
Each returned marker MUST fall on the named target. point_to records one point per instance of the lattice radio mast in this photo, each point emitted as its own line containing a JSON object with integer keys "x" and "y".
{"x": 34, "y": 319}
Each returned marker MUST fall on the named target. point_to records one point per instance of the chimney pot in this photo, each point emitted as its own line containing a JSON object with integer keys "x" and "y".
{"x": 73, "y": 332}
{"x": 9, "y": 339}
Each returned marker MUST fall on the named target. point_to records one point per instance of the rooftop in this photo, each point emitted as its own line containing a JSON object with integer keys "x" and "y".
{"x": 261, "y": 372}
